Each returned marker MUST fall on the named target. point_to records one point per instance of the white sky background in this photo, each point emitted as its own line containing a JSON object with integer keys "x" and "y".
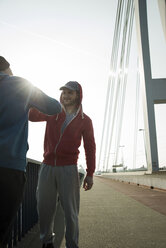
{"x": 50, "y": 42}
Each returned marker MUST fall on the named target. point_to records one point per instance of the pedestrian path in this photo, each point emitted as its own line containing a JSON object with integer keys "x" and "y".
{"x": 117, "y": 215}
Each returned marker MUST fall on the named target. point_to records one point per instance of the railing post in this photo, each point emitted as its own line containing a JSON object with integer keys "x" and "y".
{"x": 27, "y": 215}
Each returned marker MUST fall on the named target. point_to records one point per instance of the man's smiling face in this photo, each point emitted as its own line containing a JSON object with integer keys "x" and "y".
{"x": 69, "y": 97}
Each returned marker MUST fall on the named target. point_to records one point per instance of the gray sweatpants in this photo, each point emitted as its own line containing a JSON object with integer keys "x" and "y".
{"x": 62, "y": 182}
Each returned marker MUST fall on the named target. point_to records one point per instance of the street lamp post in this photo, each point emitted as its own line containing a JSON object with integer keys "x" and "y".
{"x": 122, "y": 157}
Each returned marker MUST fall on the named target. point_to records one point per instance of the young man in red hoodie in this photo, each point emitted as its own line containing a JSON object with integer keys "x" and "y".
{"x": 58, "y": 175}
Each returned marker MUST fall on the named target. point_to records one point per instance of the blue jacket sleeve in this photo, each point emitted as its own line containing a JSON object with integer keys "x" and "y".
{"x": 44, "y": 103}
{"x": 35, "y": 98}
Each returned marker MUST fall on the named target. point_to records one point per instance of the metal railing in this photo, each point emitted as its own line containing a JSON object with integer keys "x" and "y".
{"x": 27, "y": 215}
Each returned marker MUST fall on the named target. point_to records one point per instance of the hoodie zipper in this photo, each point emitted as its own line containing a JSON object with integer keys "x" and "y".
{"x": 64, "y": 131}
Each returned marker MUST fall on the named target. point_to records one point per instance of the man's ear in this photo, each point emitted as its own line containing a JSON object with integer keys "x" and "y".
{"x": 8, "y": 71}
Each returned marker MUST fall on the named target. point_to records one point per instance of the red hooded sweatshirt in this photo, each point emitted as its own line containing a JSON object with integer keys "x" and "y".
{"x": 62, "y": 149}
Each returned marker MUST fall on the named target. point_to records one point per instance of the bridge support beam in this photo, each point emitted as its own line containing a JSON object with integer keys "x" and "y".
{"x": 153, "y": 90}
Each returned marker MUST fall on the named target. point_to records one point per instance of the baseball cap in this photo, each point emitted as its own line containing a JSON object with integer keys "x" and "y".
{"x": 71, "y": 85}
{"x": 3, "y": 64}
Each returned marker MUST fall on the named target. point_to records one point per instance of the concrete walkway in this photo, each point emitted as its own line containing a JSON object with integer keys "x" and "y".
{"x": 117, "y": 215}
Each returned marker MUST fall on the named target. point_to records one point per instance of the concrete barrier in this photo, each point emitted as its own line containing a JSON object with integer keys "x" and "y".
{"x": 155, "y": 180}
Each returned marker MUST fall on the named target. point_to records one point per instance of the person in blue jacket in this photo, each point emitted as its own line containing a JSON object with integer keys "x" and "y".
{"x": 17, "y": 96}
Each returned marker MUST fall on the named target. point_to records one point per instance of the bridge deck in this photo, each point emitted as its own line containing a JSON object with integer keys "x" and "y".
{"x": 117, "y": 215}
